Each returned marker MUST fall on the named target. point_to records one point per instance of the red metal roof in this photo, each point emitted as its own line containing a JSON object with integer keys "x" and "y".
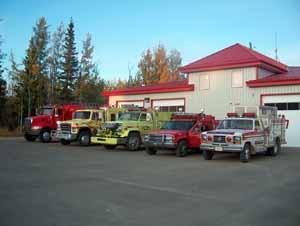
{"x": 232, "y": 57}
{"x": 291, "y": 77}
{"x": 167, "y": 87}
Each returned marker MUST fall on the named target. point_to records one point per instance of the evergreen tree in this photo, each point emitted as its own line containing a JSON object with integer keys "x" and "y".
{"x": 86, "y": 69}
{"x": 40, "y": 42}
{"x": 70, "y": 64}
{"x": 2, "y": 86}
{"x": 56, "y": 62}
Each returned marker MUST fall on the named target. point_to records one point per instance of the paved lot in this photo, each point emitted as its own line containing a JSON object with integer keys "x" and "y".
{"x": 50, "y": 184}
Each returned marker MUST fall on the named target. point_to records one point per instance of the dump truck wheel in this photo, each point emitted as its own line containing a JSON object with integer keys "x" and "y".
{"x": 65, "y": 142}
{"x": 45, "y": 135}
{"x": 84, "y": 138}
{"x": 181, "y": 150}
{"x": 151, "y": 150}
{"x": 110, "y": 147}
{"x": 208, "y": 155}
{"x": 29, "y": 138}
{"x": 133, "y": 142}
{"x": 245, "y": 154}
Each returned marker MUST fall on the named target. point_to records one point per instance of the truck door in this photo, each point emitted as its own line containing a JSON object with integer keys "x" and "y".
{"x": 194, "y": 136}
{"x": 145, "y": 122}
{"x": 260, "y": 137}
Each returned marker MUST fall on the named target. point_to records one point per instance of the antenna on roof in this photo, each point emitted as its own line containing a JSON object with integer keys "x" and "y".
{"x": 250, "y": 45}
{"x": 276, "y": 50}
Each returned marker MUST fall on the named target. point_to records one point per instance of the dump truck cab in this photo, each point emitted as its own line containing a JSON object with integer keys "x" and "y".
{"x": 44, "y": 124}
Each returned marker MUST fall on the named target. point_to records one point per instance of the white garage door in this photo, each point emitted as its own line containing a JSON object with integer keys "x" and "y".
{"x": 138, "y": 103}
{"x": 172, "y": 105}
{"x": 289, "y": 105}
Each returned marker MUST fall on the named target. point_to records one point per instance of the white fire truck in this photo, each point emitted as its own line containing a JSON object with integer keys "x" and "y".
{"x": 247, "y": 131}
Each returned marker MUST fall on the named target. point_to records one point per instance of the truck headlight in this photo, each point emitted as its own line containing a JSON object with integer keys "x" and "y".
{"x": 237, "y": 140}
{"x": 119, "y": 128}
{"x": 146, "y": 137}
{"x": 36, "y": 127}
{"x": 204, "y": 137}
{"x": 169, "y": 139}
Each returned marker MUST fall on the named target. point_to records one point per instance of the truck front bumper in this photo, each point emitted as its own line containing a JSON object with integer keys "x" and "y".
{"x": 66, "y": 136}
{"x": 160, "y": 145}
{"x": 221, "y": 148}
{"x": 109, "y": 140}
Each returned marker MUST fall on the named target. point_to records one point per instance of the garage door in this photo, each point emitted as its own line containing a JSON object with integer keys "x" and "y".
{"x": 171, "y": 105}
{"x": 127, "y": 103}
{"x": 289, "y": 105}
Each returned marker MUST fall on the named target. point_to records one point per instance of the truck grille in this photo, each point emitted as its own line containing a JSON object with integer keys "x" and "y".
{"x": 65, "y": 127}
{"x": 219, "y": 139}
{"x": 27, "y": 124}
{"x": 155, "y": 138}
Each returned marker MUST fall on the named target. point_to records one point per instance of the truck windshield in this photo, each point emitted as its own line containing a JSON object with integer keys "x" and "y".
{"x": 129, "y": 116}
{"x": 45, "y": 111}
{"x": 242, "y": 124}
{"x": 177, "y": 125}
{"x": 81, "y": 115}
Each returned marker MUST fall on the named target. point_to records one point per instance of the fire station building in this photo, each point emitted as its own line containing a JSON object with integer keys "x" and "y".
{"x": 233, "y": 76}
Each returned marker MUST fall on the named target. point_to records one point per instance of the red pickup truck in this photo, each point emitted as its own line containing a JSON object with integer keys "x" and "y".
{"x": 182, "y": 133}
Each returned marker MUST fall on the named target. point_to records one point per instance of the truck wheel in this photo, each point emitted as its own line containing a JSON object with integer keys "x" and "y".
{"x": 65, "y": 142}
{"x": 276, "y": 149}
{"x": 110, "y": 147}
{"x": 245, "y": 154}
{"x": 151, "y": 150}
{"x": 84, "y": 138}
{"x": 29, "y": 137}
{"x": 45, "y": 135}
{"x": 133, "y": 142}
{"x": 208, "y": 155}
{"x": 181, "y": 149}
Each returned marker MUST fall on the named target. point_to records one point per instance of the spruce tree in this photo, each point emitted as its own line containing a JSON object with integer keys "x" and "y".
{"x": 70, "y": 64}
{"x": 56, "y": 62}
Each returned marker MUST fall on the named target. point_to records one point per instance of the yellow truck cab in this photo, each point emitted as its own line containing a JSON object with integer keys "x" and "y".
{"x": 129, "y": 129}
{"x": 84, "y": 123}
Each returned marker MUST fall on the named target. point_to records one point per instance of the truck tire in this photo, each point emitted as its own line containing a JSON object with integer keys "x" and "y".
{"x": 133, "y": 142}
{"x": 151, "y": 150}
{"x": 45, "y": 135}
{"x": 110, "y": 147}
{"x": 181, "y": 150}
{"x": 208, "y": 155}
{"x": 245, "y": 154}
{"x": 29, "y": 138}
{"x": 84, "y": 138}
{"x": 65, "y": 142}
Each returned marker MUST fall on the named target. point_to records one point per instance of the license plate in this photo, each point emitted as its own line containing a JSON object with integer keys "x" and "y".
{"x": 218, "y": 149}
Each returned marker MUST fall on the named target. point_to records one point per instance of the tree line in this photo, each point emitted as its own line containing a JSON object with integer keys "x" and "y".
{"x": 52, "y": 71}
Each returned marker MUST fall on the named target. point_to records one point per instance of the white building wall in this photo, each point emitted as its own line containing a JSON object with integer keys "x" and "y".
{"x": 221, "y": 96}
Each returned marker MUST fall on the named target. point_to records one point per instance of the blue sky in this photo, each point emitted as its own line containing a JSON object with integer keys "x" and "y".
{"x": 122, "y": 30}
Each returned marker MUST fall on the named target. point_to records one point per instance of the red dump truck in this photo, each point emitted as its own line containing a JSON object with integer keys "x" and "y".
{"x": 181, "y": 134}
{"x": 44, "y": 125}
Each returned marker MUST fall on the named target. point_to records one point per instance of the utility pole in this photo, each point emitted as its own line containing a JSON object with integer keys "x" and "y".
{"x": 276, "y": 50}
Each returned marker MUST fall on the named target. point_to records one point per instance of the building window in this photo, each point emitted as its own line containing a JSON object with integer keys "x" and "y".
{"x": 285, "y": 106}
{"x": 204, "y": 82}
{"x": 237, "y": 79}
{"x": 171, "y": 108}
